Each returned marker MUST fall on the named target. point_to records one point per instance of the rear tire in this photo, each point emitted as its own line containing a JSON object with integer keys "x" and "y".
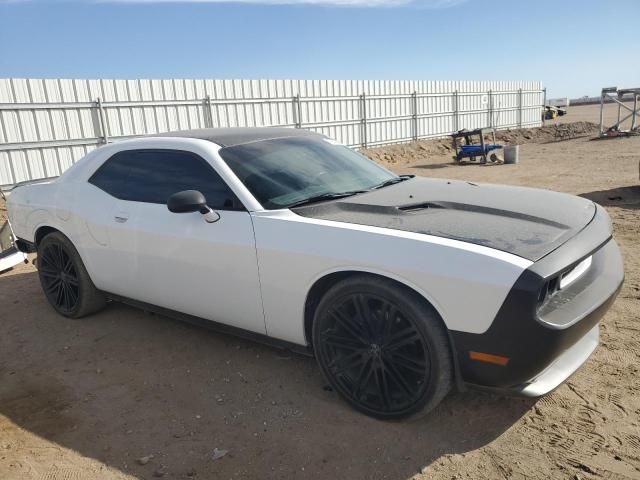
{"x": 64, "y": 279}
{"x": 382, "y": 347}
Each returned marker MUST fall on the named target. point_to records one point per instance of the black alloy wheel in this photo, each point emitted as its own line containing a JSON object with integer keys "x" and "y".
{"x": 378, "y": 353}
{"x": 59, "y": 278}
{"x": 64, "y": 278}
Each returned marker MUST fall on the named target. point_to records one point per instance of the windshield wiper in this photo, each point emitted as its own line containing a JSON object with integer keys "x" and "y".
{"x": 392, "y": 181}
{"x": 333, "y": 196}
{"x": 325, "y": 196}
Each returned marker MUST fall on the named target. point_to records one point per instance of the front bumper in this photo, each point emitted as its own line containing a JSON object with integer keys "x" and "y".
{"x": 545, "y": 345}
{"x": 563, "y": 367}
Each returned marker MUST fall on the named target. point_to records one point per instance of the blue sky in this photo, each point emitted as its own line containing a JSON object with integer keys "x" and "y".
{"x": 574, "y": 47}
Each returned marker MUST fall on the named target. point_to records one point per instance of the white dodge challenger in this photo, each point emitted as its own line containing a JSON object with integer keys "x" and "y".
{"x": 401, "y": 287}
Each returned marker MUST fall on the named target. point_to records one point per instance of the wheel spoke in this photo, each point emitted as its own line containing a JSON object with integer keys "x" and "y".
{"x": 399, "y": 380}
{"x": 363, "y": 312}
{"x": 62, "y": 257}
{"x": 338, "y": 341}
{"x": 363, "y": 376}
{"x": 376, "y": 322}
{"x": 403, "y": 337}
{"x": 386, "y": 394}
{"x": 67, "y": 296}
{"x": 379, "y": 387}
{"x": 362, "y": 306}
{"x": 58, "y": 257}
{"x": 48, "y": 273}
{"x": 73, "y": 295}
{"x": 49, "y": 258}
{"x": 345, "y": 363}
{"x": 414, "y": 364}
{"x": 60, "y": 293}
{"x": 68, "y": 266}
{"x": 401, "y": 343}
{"x": 407, "y": 331}
{"x": 52, "y": 287}
{"x": 46, "y": 266}
{"x": 349, "y": 324}
{"x": 388, "y": 316}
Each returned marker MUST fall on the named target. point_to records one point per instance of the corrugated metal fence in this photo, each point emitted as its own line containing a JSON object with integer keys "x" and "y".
{"x": 46, "y": 125}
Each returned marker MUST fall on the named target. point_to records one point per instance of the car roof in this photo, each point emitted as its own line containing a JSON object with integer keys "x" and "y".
{"x": 229, "y": 137}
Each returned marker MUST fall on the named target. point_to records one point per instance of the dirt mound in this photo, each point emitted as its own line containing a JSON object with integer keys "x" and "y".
{"x": 550, "y": 133}
{"x": 441, "y": 147}
{"x": 408, "y": 152}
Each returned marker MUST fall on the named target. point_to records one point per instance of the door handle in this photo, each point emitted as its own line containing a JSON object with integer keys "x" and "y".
{"x": 120, "y": 218}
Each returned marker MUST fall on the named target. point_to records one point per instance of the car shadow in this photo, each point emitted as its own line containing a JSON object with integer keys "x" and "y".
{"x": 123, "y": 384}
{"x": 436, "y": 166}
{"x": 622, "y": 197}
{"x": 568, "y": 138}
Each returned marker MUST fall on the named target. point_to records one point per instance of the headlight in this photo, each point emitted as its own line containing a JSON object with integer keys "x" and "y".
{"x": 576, "y": 272}
{"x": 563, "y": 280}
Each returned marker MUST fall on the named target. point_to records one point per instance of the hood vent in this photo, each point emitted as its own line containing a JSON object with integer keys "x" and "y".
{"x": 416, "y": 207}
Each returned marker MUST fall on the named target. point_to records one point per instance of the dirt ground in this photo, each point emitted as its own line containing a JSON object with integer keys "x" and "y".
{"x": 125, "y": 394}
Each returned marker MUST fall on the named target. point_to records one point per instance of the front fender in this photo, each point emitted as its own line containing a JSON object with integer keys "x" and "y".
{"x": 381, "y": 273}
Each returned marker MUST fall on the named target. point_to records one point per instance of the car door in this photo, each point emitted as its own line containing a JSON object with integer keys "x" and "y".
{"x": 179, "y": 261}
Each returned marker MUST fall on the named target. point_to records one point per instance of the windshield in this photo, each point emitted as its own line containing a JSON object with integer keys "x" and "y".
{"x": 287, "y": 171}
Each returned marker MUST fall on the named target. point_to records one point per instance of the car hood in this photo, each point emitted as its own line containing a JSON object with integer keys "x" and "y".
{"x": 526, "y": 222}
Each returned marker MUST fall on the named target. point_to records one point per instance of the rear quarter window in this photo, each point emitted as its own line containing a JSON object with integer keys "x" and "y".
{"x": 112, "y": 175}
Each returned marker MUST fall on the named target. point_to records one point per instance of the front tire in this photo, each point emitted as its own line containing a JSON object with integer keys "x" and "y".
{"x": 382, "y": 347}
{"x": 64, "y": 279}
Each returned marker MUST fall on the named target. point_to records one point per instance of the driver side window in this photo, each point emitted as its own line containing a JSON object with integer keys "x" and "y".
{"x": 152, "y": 176}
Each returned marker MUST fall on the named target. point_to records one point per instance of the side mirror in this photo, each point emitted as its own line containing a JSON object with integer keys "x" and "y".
{"x": 189, "y": 201}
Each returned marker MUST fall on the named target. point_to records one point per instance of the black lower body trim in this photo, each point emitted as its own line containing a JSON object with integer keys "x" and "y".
{"x": 214, "y": 326}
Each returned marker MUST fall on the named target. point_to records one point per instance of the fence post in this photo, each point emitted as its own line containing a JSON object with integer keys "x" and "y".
{"x": 209, "y": 111}
{"x": 602, "y": 112}
{"x": 103, "y": 124}
{"x": 414, "y": 97}
{"x": 456, "y": 119}
{"x": 363, "y": 120}
{"x": 520, "y": 108}
{"x": 297, "y": 111}
{"x": 490, "y": 109}
{"x": 544, "y": 104}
